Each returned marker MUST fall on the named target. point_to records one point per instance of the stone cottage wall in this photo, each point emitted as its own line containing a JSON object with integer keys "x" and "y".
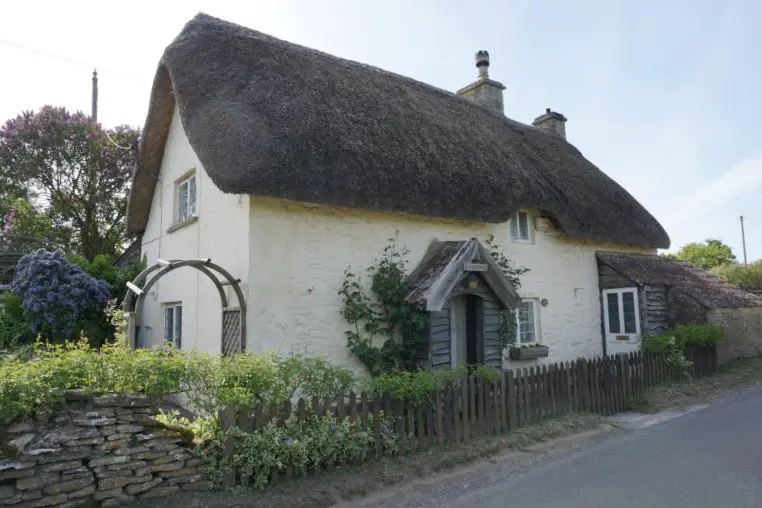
{"x": 743, "y": 332}
{"x": 95, "y": 451}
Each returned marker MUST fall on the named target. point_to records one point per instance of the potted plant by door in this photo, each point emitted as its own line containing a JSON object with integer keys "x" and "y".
{"x": 528, "y": 351}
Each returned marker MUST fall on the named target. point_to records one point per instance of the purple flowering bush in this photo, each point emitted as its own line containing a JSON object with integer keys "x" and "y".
{"x": 58, "y": 298}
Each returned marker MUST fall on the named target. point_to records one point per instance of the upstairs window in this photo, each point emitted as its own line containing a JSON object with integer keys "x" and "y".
{"x": 185, "y": 199}
{"x": 519, "y": 228}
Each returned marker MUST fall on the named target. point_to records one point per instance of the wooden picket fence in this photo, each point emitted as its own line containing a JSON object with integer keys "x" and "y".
{"x": 476, "y": 407}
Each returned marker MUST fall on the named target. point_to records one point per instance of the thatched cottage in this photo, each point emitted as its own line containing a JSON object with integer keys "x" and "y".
{"x": 285, "y": 165}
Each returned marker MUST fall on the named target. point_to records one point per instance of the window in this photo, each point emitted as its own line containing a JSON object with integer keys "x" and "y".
{"x": 173, "y": 324}
{"x": 185, "y": 199}
{"x": 519, "y": 228}
{"x": 621, "y": 311}
{"x": 526, "y": 322}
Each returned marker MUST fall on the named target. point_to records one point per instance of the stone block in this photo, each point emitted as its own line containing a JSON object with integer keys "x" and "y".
{"x": 100, "y": 495}
{"x": 162, "y": 445}
{"x": 108, "y": 430}
{"x": 190, "y": 478}
{"x": 101, "y": 472}
{"x": 21, "y": 441}
{"x": 31, "y": 495}
{"x": 49, "y": 501}
{"x": 85, "y": 441}
{"x": 61, "y": 466}
{"x": 195, "y": 462}
{"x": 16, "y": 464}
{"x": 150, "y": 455}
{"x": 124, "y": 400}
{"x": 133, "y": 464}
{"x": 130, "y": 451}
{"x": 34, "y": 452}
{"x": 70, "y": 486}
{"x": 112, "y": 445}
{"x": 122, "y": 481}
{"x": 156, "y": 468}
{"x": 94, "y": 422}
{"x": 7, "y": 492}
{"x": 101, "y": 413}
{"x": 16, "y": 473}
{"x": 178, "y": 456}
{"x": 142, "y": 487}
{"x": 38, "y": 481}
{"x": 180, "y": 472}
{"x": 117, "y": 501}
{"x": 87, "y": 491}
{"x": 128, "y": 428}
{"x": 160, "y": 492}
{"x": 15, "y": 499}
{"x": 86, "y": 473}
{"x": 109, "y": 460}
{"x": 64, "y": 457}
{"x": 119, "y": 436}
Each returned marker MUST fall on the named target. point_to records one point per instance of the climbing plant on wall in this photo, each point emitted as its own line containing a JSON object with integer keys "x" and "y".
{"x": 387, "y": 332}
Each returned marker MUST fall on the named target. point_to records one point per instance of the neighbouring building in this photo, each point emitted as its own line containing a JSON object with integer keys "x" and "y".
{"x": 287, "y": 166}
{"x": 648, "y": 295}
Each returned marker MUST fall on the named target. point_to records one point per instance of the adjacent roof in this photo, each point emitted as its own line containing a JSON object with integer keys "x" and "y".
{"x": 131, "y": 254}
{"x": 271, "y": 118}
{"x": 444, "y": 265}
{"x": 700, "y": 284}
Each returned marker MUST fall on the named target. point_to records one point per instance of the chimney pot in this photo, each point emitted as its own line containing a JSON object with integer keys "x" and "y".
{"x": 484, "y": 91}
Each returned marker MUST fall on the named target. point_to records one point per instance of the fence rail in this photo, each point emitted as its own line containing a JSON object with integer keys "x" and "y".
{"x": 476, "y": 407}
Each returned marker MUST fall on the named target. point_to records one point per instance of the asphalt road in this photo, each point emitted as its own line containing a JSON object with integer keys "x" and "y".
{"x": 707, "y": 458}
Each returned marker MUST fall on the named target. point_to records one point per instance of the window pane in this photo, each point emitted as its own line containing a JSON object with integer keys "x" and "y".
{"x": 523, "y": 226}
{"x": 178, "y": 326}
{"x": 182, "y": 202}
{"x": 525, "y": 328}
{"x": 514, "y": 227}
{"x": 168, "y": 323}
{"x": 192, "y": 197}
{"x": 628, "y": 305}
{"x": 612, "y": 301}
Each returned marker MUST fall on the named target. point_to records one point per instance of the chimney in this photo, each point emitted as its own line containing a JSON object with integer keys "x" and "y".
{"x": 484, "y": 91}
{"x": 552, "y": 123}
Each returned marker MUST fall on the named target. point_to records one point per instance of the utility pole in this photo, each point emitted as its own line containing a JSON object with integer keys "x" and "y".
{"x": 743, "y": 241}
{"x": 95, "y": 97}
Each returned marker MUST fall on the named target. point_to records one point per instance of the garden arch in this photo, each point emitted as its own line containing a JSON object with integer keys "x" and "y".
{"x": 233, "y": 338}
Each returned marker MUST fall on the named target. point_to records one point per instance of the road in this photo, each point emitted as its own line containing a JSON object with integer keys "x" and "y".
{"x": 707, "y": 458}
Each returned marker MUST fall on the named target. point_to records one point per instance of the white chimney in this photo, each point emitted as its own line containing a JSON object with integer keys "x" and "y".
{"x": 484, "y": 91}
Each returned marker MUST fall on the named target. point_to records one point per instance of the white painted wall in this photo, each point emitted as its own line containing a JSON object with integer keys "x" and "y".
{"x": 299, "y": 253}
{"x": 221, "y": 233}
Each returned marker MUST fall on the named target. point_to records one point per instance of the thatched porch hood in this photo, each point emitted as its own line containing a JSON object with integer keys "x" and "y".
{"x": 270, "y": 118}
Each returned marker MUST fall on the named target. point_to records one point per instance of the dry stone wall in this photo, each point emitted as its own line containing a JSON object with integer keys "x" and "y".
{"x": 95, "y": 451}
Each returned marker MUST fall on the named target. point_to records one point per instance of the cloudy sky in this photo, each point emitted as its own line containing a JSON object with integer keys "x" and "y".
{"x": 664, "y": 96}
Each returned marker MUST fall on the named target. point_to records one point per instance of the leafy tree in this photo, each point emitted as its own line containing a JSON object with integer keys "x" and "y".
{"x": 58, "y": 299}
{"x": 706, "y": 255}
{"x": 103, "y": 268}
{"x": 23, "y": 219}
{"x": 82, "y": 178}
{"x": 747, "y": 277}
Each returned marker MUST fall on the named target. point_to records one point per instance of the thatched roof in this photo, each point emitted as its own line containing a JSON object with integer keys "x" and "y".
{"x": 702, "y": 285}
{"x": 445, "y": 264}
{"x": 271, "y": 118}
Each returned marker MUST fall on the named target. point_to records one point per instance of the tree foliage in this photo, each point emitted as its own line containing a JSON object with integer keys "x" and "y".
{"x": 24, "y": 220}
{"x": 81, "y": 179}
{"x": 747, "y": 277}
{"x": 706, "y": 255}
{"x": 58, "y": 299}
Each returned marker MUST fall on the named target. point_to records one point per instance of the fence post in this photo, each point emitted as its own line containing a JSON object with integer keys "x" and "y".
{"x": 510, "y": 400}
{"x": 584, "y": 386}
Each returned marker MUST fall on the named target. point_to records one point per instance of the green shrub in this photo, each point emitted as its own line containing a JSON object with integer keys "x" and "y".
{"x": 685, "y": 335}
{"x": 15, "y": 332}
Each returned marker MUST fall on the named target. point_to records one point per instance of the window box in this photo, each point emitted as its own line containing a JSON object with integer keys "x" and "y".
{"x": 527, "y": 352}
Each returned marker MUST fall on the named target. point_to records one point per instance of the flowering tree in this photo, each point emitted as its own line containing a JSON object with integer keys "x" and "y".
{"x": 58, "y": 299}
{"x": 80, "y": 178}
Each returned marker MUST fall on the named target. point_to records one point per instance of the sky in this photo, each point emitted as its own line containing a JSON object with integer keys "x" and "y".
{"x": 663, "y": 96}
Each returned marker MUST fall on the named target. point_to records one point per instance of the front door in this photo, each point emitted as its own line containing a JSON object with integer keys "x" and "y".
{"x": 466, "y": 330}
{"x": 621, "y": 320}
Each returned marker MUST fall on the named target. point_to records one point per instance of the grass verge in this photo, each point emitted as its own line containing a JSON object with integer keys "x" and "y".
{"x": 347, "y": 483}
{"x": 730, "y": 376}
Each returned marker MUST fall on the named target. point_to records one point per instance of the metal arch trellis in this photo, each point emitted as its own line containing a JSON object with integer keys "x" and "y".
{"x": 233, "y": 338}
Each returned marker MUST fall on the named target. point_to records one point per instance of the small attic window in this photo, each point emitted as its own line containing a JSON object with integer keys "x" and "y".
{"x": 185, "y": 198}
{"x": 519, "y": 228}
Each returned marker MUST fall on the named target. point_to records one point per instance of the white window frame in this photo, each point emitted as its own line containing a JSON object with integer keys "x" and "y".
{"x": 515, "y": 218}
{"x": 620, "y": 301}
{"x": 536, "y": 319}
{"x": 175, "y": 336}
{"x": 182, "y": 185}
